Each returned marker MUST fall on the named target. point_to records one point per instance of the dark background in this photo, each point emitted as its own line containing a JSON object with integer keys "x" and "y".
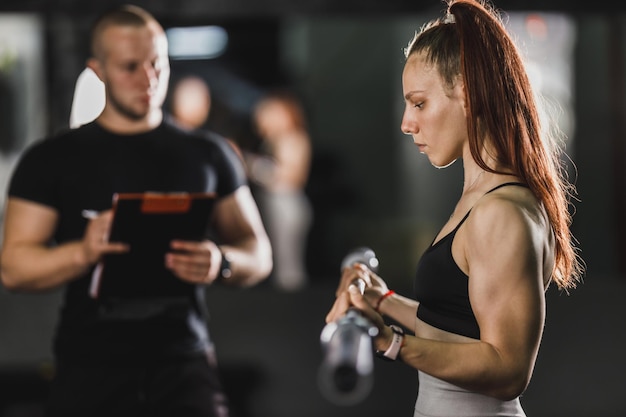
{"x": 369, "y": 186}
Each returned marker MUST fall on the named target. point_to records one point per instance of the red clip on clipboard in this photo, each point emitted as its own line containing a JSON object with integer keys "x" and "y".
{"x": 148, "y": 222}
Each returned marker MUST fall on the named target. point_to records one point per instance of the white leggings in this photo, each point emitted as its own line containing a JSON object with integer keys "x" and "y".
{"x": 437, "y": 398}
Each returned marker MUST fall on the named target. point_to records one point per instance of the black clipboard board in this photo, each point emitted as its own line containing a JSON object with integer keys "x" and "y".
{"x": 148, "y": 222}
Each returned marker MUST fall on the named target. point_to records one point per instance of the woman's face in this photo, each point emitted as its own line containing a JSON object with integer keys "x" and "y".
{"x": 434, "y": 114}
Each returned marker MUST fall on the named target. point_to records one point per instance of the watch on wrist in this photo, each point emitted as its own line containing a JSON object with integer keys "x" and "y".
{"x": 225, "y": 269}
{"x": 393, "y": 350}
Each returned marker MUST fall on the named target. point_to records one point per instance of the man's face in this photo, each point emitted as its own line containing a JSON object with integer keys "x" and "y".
{"x": 135, "y": 70}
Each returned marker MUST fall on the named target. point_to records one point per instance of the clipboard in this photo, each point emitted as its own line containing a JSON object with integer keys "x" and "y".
{"x": 148, "y": 222}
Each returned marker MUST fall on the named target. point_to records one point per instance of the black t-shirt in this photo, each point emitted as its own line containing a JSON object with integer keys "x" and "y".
{"x": 81, "y": 169}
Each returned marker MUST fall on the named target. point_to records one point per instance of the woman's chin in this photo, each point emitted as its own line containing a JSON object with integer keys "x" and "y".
{"x": 442, "y": 165}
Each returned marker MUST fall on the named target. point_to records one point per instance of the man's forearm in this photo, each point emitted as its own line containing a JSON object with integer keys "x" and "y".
{"x": 38, "y": 268}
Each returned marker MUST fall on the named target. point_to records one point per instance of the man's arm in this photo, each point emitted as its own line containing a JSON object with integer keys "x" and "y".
{"x": 243, "y": 240}
{"x": 29, "y": 263}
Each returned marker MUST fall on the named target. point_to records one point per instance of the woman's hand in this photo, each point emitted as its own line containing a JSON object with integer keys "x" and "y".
{"x": 352, "y": 298}
{"x": 375, "y": 286}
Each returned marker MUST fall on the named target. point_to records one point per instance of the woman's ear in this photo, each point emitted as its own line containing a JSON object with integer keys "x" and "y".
{"x": 459, "y": 90}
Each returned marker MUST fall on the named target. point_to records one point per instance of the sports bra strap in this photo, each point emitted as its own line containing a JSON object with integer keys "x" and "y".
{"x": 518, "y": 184}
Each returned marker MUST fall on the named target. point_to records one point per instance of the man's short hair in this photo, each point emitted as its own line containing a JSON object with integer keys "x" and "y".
{"x": 126, "y": 15}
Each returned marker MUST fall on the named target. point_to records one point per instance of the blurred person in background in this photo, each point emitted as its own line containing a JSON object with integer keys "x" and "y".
{"x": 130, "y": 357}
{"x": 191, "y": 102}
{"x": 190, "y": 106}
{"x": 281, "y": 171}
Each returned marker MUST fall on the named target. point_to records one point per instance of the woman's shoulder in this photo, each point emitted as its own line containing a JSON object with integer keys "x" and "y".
{"x": 506, "y": 207}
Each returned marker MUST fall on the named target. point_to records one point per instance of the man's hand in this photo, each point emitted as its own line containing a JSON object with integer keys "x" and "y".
{"x": 194, "y": 262}
{"x": 95, "y": 240}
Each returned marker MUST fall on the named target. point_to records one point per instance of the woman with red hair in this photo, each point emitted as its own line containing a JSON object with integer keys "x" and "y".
{"x": 475, "y": 324}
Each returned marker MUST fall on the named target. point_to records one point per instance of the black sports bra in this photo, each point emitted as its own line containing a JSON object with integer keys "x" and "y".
{"x": 442, "y": 288}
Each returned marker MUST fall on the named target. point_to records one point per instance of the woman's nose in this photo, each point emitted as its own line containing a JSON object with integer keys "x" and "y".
{"x": 407, "y": 126}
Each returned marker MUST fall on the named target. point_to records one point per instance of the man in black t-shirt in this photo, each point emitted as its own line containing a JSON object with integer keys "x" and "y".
{"x": 141, "y": 355}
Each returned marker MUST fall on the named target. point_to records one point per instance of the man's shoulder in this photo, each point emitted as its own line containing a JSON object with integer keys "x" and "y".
{"x": 206, "y": 136}
{"x": 66, "y": 133}
{"x": 170, "y": 125}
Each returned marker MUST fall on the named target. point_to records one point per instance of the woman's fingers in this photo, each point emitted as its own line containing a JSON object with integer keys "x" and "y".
{"x": 351, "y": 274}
{"x": 339, "y": 308}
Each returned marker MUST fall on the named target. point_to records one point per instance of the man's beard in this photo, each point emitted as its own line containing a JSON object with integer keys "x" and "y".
{"x": 126, "y": 111}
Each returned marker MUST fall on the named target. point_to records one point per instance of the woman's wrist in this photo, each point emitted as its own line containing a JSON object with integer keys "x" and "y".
{"x": 393, "y": 341}
{"x": 382, "y": 298}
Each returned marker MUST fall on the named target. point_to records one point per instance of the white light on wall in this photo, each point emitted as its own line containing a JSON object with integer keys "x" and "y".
{"x": 196, "y": 42}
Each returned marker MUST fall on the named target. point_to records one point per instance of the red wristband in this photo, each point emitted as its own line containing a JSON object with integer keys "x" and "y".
{"x": 382, "y": 297}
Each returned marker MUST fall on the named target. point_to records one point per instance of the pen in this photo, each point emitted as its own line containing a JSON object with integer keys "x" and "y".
{"x": 90, "y": 214}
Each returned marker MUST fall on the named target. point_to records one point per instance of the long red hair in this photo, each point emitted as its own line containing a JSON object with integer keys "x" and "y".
{"x": 472, "y": 41}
